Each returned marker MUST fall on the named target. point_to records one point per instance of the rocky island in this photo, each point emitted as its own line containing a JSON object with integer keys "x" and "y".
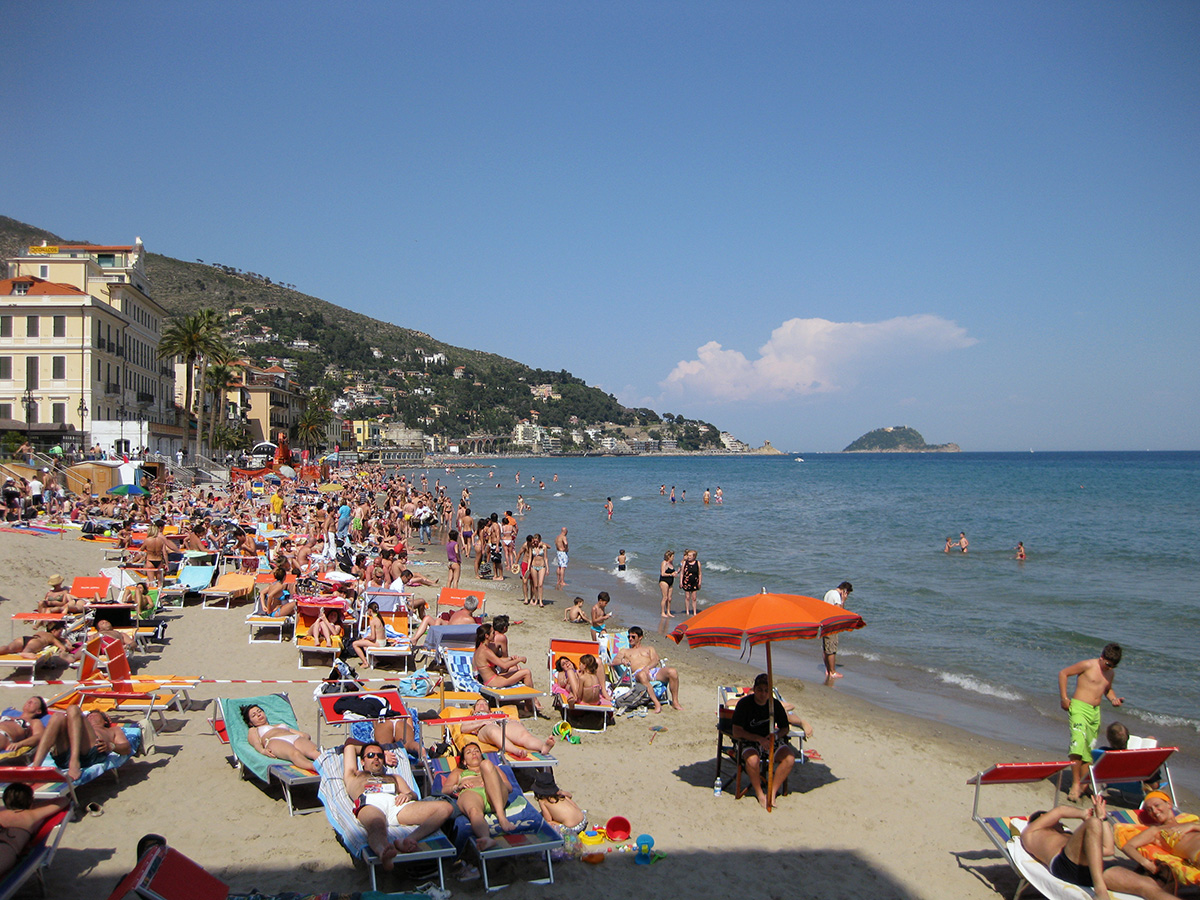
{"x": 897, "y": 439}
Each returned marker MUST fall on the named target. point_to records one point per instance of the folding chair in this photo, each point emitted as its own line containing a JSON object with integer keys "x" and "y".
{"x": 574, "y": 650}
{"x": 727, "y": 698}
{"x": 38, "y": 855}
{"x": 396, "y": 630}
{"x": 460, "y": 666}
{"x": 307, "y": 612}
{"x": 229, "y": 587}
{"x": 453, "y": 598}
{"x": 191, "y": 580}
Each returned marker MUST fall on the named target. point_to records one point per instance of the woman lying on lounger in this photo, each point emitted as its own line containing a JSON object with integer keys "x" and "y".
{"x": 479, "y": 787}
{"x": 279, "y": 741}
{"x": 517, "y": 740}
{"x": 19, "y": 819}
{"x": 22, "y": 727}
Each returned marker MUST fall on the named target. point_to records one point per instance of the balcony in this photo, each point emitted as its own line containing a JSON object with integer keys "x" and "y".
{"x": 144, "y": 397}
{"x": 111, "y": 388}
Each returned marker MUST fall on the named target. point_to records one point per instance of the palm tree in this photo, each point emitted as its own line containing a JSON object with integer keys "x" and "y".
{"x": 193, "y": 337}
{"x": 220, "y": 372}
{"x": 311, "y": 427}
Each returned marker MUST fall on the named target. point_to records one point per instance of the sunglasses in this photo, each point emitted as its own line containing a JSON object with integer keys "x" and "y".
{"x": 372, "y": 756}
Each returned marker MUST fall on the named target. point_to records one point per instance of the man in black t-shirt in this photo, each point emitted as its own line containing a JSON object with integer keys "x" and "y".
{"x": 752, "y": 725}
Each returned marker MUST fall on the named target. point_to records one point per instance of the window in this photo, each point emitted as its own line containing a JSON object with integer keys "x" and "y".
{"x": 32, "y": 328}
{"x": 21, "y": 288}
{"x": 6, "y": 411}
{"x": 58, "y": 366}
{"x": 6, "y": 368}
{"x": 98, "y": 378}
{"x": 43, "y": 271}
{"x": 31, "y": 372}
{"x": 59, "y": 413}
{"x": 60, "y": 326}
{"x": 5, "y": 326}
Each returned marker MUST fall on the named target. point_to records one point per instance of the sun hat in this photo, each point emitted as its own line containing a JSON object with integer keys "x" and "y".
{"x": 55, "y": 580}
{"x": 544, "y": 784}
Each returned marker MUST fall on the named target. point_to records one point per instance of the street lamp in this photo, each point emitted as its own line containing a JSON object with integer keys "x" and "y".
{"x": 82, "y": 409}
{"x": 121, "y": 413}
{"x": 28, "y": 402}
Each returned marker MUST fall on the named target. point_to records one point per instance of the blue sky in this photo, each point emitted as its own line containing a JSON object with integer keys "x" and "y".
{"x": 798, "y": 221}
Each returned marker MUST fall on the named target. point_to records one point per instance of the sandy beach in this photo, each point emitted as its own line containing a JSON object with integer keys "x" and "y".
{"x": 887, "y": 814}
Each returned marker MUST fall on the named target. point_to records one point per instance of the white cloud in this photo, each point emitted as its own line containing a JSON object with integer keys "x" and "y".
{"x": 811, "y": 356}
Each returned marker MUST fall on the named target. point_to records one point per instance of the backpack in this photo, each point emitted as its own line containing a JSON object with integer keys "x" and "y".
{"x": 342, "y": 679}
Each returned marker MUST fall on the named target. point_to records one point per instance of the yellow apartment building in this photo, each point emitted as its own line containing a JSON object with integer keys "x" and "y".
{"x": 79, "y": 336}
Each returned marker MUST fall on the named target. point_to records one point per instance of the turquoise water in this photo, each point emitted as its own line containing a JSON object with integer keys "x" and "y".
{"x": 1113, "y": 541}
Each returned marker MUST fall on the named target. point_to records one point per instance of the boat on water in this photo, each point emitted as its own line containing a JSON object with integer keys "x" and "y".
{"x": 799, "y": 459}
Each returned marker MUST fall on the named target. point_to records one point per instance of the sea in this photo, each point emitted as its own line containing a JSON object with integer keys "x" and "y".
{"x": 974, "y": 640}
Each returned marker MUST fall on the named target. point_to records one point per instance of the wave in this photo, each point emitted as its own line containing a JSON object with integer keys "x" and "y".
{"x": 1164, "y": 720}
{"x": 558, "y": 493}
{"x": 717, "y": 567}
{"x": 632, "y": 577}
{"x": 625, "y": 498}
{"x": 968, "y": 683}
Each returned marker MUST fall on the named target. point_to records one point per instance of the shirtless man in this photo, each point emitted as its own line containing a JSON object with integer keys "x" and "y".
{"x": 560, "y": 545}
{"x": 1078, "y": 857}
{"x": 647, "y": 667}
{"x": 466, "y": 615}
{"x": 1093, "y": 681}
{"x": 382, "y": 800}
{"x": 76, "y": 741}
{"x": 963, "y": 543}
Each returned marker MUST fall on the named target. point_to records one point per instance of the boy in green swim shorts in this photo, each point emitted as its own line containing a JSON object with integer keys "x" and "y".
{"x": 1093, "y": 681}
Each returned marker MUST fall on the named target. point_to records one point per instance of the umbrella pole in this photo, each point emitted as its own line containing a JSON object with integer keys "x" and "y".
{"x": 770, "y": 725}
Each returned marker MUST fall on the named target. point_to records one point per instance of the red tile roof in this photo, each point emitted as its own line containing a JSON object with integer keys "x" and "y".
{"x": 39, "y": 287}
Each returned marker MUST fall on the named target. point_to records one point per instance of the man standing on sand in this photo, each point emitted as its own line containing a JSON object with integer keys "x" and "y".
{"x": 836, "y": 597}
{"x": 560, "y": 544}
{"x": 1093, "y": 681}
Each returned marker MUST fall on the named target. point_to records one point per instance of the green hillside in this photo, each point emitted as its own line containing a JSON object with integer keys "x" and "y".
{"x": 390, "y": 360}
{"x": 897, "y": 439}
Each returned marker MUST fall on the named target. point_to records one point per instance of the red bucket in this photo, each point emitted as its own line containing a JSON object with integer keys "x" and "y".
{"x": 618, "y": 829}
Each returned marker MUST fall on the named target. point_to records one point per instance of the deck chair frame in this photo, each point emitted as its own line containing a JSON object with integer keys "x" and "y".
{"x": 460, "y": 665}
{"x": 573, "y": 650}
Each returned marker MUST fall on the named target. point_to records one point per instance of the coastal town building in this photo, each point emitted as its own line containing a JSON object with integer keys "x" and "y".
{"x": 79, "y": 337}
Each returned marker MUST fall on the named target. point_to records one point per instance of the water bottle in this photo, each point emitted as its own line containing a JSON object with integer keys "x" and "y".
{"x": 717, "y": 787}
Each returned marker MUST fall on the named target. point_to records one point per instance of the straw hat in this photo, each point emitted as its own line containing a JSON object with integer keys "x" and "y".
{"x": 55, "y": 581}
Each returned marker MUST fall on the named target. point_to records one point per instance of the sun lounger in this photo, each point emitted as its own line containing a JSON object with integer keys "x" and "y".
{"x": 229, "y": 587}
{"x": 1004, "y": 831}
{"x": 1136, "y": 766}
{"x": 266, "y": 769}
{"x": 162, "y": 873}
{"x": 453, "y": 598}
{"x": 394, "y": 706}
{"x": 38, "y": 855}
{"x": 534, "y": 835}
{"x": 260, "y": 621}
{"x": 307, "y": 611}
{"x": 339, "y": 810}
{"x": 460, "y": 666}
{"x": 90, "y": 588}
{"x": 396, "y": 643}
{"x": 574, "y": 650}
{"x": 191, "y": 580}
{"x": 453, "y": 718}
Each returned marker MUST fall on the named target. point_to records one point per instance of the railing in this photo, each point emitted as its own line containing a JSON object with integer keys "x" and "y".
{"x": 144, "y": 397}
{"x": 111, "y": 388}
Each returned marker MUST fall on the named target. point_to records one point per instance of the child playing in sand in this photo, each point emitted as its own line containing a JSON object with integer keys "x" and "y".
{"x": 575, "y": 613}
{"x": 556, "y": 804}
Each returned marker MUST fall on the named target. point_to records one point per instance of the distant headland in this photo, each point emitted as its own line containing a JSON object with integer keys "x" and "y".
{"x": 897, "y": 439}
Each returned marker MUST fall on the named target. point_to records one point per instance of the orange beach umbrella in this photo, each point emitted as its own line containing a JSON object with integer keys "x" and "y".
{"x": 763, "y": 619}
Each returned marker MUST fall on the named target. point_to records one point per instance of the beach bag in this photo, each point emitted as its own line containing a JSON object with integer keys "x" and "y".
{"x": 342, "y": 679}
{"x": 485, "y": 569}
{"x": 418, "y": 684}
{"x": 633, "y": 698}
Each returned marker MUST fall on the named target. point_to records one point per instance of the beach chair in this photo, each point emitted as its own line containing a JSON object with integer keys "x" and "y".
{"x": 163, "y": 873}
{"x": 38, "y": 855}
{"x": 191, "y": 580}
{"x": 1004, "y": 831}
{"x": 307, "y": 612}
{"x": 452, "y": 719}
{"x": 1130, "y": 768}
{"x": 90, "y": 588}
{"x": 727, "y": 698}
{"x": 450, "y": 599}
{"x": 229, "y": 587}
{"x": 574, "y": 650}
{"x": 460, "y": 666}
{"x": 339, "y": 811}
{"x": 16, "y": 663}
{"x": 266, "y": 769}
{"x": 259, "y": 620}
{"x": 396, "y": 628}
{"x": 533, "y": 836}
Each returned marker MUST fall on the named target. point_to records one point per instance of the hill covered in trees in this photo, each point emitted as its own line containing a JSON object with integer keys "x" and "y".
{"x": 382, "y": 369}
{"x": 897, "y": 439}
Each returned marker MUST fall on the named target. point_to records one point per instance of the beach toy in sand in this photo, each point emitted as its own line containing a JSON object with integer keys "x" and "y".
{"x": 645, "y": 844}
{"x": 654, "y": 730}
{"x": 617, "y": 829}
{"x": 593, "y": 858}
{"x": 566, "y": 732}
{"x": 593, "y": 837}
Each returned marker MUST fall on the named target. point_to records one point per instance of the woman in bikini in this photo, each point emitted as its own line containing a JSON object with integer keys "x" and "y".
{"x": 479, "y": 787}
{"x": 19, "y": 819}
{"x": 23, "y": 727}
{"x": 666, "y": 581}
{"x": 537, "y": 570}
{"x": 31, "y": 646}
{"x": 326, "y": 628}
{"x": 517, "y": 739}
{"x": 58, "y": 599}
{"x": 376, "y": 634}
{"x": 453, "y": 559}
{"x": 279, "y": 741}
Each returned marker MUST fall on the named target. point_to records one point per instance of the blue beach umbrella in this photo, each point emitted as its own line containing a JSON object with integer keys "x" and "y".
{"x": 127, "y": 490}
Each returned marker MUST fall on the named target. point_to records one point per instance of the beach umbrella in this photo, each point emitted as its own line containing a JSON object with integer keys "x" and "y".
{"x": 127, "y": 490}
{"x": 764, "y": 618}
{"x": 287, "y": 471}
{"x": 329, "y": 488}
